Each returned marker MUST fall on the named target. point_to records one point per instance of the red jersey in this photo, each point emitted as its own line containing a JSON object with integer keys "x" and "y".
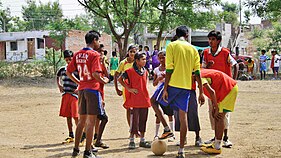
{"x": 221, "y": 83}
{"x": 86, "y": 62}
{"x": 139, "y": 82}
{"x": 221, "y": 60}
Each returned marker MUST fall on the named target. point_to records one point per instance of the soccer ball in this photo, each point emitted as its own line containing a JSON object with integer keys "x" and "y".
{"x": 158, "y": 147}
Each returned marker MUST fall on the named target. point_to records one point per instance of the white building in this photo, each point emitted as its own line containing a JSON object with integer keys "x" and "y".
{"x": 20, "y": 46}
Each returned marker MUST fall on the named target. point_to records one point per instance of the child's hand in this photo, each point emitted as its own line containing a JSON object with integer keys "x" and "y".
{"x": 105, "y": 79}
{"x": 210, "y": 63}
{"x": 165, "y": 96}
{"x": 76, "y": 91}
{"x": 119, "y": 92}
{"x": 132, "y": 90}
{"x": 201, "y": 99}
{"x": 61, "y": 88}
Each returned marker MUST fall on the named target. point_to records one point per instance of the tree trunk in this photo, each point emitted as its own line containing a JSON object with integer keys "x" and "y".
{"x": 159, "y": 37}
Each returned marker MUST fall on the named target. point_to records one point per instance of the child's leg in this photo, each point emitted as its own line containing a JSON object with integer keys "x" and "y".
{"x": 219, "y": 129}
{"x": 171, "y": 123}
{"x": 75, "y": 120}
{"x": 104, "y": 121}
{"x": 79, "y": 130}
{"x": 97, "y": 125}
{"x": 158, "y": 112}
{"x": 157, "y": 126}
{"x": 128, "y": 113}
{"x": 89, "y": 131}
{"x": 69, "y": 125}
{"x": 143, "y": 114}
{"x": 183, "y": 128}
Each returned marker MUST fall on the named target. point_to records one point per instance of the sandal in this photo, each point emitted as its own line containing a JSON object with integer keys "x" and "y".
{"x": 102, "y": 145}
{"x": 145, "y": 144}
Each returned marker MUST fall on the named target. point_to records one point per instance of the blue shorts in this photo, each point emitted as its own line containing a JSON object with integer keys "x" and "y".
{"x": 263, "y": 67}
{"x": 178, "y": 98}
{"x": 275, "y": 69}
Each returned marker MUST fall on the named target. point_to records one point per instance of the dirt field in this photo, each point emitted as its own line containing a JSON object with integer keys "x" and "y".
{"x": 30, "y": 125}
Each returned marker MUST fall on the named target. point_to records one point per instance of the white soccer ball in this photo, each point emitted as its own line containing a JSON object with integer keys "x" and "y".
{"x": 158, "y": 147}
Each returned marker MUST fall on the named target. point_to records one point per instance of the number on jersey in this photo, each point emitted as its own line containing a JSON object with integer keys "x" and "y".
{"x": 84, "y": 72}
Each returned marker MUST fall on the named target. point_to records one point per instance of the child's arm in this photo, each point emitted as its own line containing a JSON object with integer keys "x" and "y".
{"x": 201, "y": 98}
{"x": 155, "y": 80}
{"x": 103, "y": 80}
{"x": 59, "y": 84}
{"x": 131, "y": 90}
{"x": 116, "y": 84}
{"x": 215, "y": 110}
{"x": 72, "y": 77}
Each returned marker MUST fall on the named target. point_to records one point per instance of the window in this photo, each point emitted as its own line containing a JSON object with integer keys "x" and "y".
{"x": 14, "y": 46}
{"x": 40, "y": 43}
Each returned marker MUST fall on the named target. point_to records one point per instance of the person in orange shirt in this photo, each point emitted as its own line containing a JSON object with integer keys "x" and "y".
{"x": 134, "y": 80}
{"x": 222, "y": 90}
{"x": 250, "y": 66}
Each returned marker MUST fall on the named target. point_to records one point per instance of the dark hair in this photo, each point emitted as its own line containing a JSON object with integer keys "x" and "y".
{"x": 140, "y": 46}
{"x": 139, "y": 55}
{"x": 250, "y": 60}
{"x": 131, "y": 47}
{"x": 263, "y": 51}
{"x": 105, "y": 52}
{"x": 91, "y": 36}
{"x": 114, "y": 54}
{"x": 161, "y": 52}
{"x": 215, "y": 34}
{"x": 174, "y": 38}
{"x": 182, "y": 31}
{"x": 101, "y": 45}
{"x": 67, "y": 53}
{"x": 146, "y": 47}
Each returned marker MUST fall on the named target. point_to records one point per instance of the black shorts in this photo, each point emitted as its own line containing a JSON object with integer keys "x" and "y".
{"x": 103, "y": 116}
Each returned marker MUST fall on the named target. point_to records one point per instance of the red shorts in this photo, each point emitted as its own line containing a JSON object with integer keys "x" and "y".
{"x": 69, "y": 106}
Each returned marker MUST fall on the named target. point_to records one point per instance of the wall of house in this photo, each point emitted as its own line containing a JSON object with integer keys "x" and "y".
{"x": 75, "y": 41}
{"x": 2, "y": 50}
{"x": 16, "y": 55}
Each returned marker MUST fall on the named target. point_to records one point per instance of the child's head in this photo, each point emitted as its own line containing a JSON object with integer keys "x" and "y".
{"x": 105, "y": 52}
{"x": 263, "y": 52}
{"x": 250, "y": 60}
{"x": 140, "y": 48}
{"x": 92, "y": 39}
{"x": 140, "y": 59}
{"x": 161, "y": 57}
{"x": 114, "y": 54}
{"x": 273, "y": 52}
{"x": 155, "y": 47}
{"x": 132, "y": 51}
{"x": 146, "y": 48}
{"x": 214, "y": 38}
{"x": 67, "y": 55}
{"x": 182, "y": 31}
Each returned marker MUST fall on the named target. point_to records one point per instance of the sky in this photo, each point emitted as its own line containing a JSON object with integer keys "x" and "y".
{"x": 72, "y": 7}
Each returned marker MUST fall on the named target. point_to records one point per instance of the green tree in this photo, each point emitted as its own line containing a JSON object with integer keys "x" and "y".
{"x": 275, "y": 36}
{"x": 119, "y": 14}
{"x": 230, "y": 13}
{"x": 269, "y": 9}
{"x": 172, "y": 13}
{"x": 5, "y": 19}
{"x": 37, "y": 17}
{"x": 247, "y": 15}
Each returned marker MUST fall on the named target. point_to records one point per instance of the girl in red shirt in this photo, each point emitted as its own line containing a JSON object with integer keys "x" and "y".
{"x": 134, "y": 80}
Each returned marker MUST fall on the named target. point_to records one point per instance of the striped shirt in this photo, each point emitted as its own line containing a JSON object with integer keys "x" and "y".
{"x": 68, "y": 85}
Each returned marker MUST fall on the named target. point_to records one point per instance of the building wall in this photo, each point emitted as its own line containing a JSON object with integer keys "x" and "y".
{"x": 75, "y": 41}
{"x": 16, "y": 55}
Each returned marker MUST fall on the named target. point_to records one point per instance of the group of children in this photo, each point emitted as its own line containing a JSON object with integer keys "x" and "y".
{"x": 175, "y": 93}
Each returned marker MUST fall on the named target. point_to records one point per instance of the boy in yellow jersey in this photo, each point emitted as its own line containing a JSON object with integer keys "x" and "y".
{"x": 181, "y": 60}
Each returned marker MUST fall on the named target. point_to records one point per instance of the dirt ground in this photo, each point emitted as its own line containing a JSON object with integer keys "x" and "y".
{"x": 30, "y": 125}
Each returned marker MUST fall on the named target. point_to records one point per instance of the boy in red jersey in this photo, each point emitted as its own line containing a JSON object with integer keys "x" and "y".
{"x": 87, "y": 62}
{"x": 135, "y": 82}
{"x": 222, "y": 90}
{"x": 219, "y": 58}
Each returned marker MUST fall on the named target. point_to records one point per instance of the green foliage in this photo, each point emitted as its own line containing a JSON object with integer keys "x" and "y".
{"x": 275, "y": 36}
{"x": 247, "y": 15}
{"x": 37, "y": 17}
{"x": 229, "y": 13}
{"x": 5, "y": 19}
{"x": 269, "y": 9}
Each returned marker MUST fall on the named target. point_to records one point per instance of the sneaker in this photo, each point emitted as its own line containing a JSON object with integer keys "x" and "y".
{"x": 180, "y": 155}
{"x": 102, "y": 145}
{"x": 132, "y": 145}
{"x": 198, "y": 142}
{"x": 172, "y": 139}
{"x": 75, "y": 153}
{"x": 211, "y": 150}
{"x": 145, "y": 144}
{"x": 156, "y": 138}
{"x": 211, "y": 141}
{"x": 178, "y": 143}
{"x": 166, "y": 135}
{"x": 90, "y": 155}
{"x": 68, "y": 140}
{"x": 94, "y": 150}
{"x": 226, "y": 144}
